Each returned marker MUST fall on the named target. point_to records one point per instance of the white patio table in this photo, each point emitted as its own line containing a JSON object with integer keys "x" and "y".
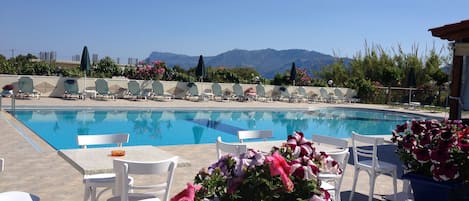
{"x": 99, "y": 160}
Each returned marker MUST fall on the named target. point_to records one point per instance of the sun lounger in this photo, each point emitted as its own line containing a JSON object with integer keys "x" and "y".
{"x": 238, "y": 92}
{"x": 340, "y": 96}
{"x": 192, "y": 93}
{"x": 326, "y": 96}
{"x": 26, "y": 88}
{"x": 158, "y": 92}
{"x": 261, "y": 96}
{"x": 71, "y": 89}
{"x": 134, "y": 91}
{"x": 285, "y": 95}
{"x": 301, "y": 95}
{"x": 102, "y": 89}
{"x": 217, "y": 92}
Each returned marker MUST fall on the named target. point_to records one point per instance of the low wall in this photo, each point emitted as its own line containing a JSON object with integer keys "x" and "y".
{"x": 52, "y": 86}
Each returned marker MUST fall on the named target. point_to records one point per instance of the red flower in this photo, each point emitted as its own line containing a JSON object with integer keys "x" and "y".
{"x": 187, "y": 194}
{"x": 409, "y": 142}
{"x": 304, "y": 168}
{"x": 464, "y": 145}
{"x": 279, "y": 166}
{"x": 422, "y": 155}
{"x": 439, "y": 156}
{"x": 299, "y": 145}
{"x": 445, "y": 171}
{"x": 400, "y": 128}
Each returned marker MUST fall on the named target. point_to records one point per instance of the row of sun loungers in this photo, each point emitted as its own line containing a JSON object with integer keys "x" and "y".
{"x": 134, "y": 91}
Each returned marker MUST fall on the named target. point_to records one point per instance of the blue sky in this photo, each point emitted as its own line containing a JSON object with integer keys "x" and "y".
{"x": 123, "y": 29}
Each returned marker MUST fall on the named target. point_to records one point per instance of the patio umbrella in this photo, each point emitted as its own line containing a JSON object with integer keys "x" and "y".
{"x": 85, "y": 63}
{"x": 293, "y": 73}
{"x": 200, "y": 71}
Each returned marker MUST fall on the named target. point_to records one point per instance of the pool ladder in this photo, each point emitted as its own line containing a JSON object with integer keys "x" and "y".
{"x": 13, "y": 103}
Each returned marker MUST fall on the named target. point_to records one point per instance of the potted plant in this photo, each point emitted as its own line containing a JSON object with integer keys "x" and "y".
{"x": 435, "y": 155}
{"x": 288, "y": 172}
{"x": 7, "y": 90}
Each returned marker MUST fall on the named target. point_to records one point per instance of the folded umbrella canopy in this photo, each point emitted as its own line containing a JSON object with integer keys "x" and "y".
{"x": 85, "y": 63}
{"x": 200, "y": 71}
{"x": 293, "y": 73}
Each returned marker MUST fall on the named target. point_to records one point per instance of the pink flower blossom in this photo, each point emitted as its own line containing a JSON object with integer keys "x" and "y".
{"x": 187, "y": 194}
{"x": 279, "y": 166}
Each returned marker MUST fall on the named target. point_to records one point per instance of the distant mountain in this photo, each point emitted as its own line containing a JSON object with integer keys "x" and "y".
{"x": 267, "y": 62}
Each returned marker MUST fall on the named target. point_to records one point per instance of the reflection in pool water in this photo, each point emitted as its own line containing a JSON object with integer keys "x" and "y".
{"x": 59, "y": 128}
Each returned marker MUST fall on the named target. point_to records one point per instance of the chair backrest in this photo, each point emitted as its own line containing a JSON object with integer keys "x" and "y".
{"x": 101, "y": 86}
{"x": 324, "y": 93}
{"x": 232, "y": 148}
{"x": 284, "y": 92}
{"x": 118, "y": 139}
{"x": 216, "y": 89}
{"x": 124, "y": 168}
{"x": 25, "y": 85}
{"x": 158, "y": 88}
{"x": 238, "y": 90}
{"x": 71, "y": 86}
{"x": 260, "y": 90}
{"x": 302, "y": 91}
{"x": 339, "y": 93}
{"x": 134, "y": 88}
{"x": 194, "y": 90}
{"x": 254, "y": 134}
{"x": 361, "y": 153}
{"x": 319, "y": 139}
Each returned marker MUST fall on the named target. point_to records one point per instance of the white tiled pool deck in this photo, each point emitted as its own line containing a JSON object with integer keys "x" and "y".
{"x": 31, "y": 165}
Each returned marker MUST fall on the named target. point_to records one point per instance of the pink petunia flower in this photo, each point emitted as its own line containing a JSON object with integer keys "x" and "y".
{"x": 187, "y": 194}
{"x": 299, "y": 145}
{"x": 422, "y": 155}
{"x": 304, "y": 168}
{"x": 279, "y": 166}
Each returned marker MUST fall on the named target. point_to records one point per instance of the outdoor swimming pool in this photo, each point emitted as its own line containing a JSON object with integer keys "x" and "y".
{"x": 175, "y": 127}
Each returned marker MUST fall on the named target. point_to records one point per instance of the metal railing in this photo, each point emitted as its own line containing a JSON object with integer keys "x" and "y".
{"x": 13, "y": 103}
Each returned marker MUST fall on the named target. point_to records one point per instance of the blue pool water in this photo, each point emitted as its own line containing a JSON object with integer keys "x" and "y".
{"x": 59, "y": 127}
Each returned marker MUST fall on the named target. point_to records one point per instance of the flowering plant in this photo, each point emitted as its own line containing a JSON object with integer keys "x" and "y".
{"x": 148, "y": 72}
{"x": 439, "y": 149}
{"x": 288, "y": 172}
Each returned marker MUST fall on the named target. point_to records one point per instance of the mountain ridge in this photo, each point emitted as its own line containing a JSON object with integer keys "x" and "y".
{"x": 267, "y": 62}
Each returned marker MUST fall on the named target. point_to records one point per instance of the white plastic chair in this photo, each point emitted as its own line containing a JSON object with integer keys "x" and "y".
{"x": 341, "y": 157}
{"x": 254, "y": 134}
{"x": 338, "y": 142}
{"x": 15, "y": 195}
{"x": 367, "y": 160}
{"x": 233, "y": 148}
{"x": 124, "y": 168}
{"x": 18, "y": 196}
{"x": 105, "y": 180}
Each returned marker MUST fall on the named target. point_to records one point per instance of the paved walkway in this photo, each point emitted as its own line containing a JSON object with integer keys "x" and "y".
{"x": 31, "y": 165}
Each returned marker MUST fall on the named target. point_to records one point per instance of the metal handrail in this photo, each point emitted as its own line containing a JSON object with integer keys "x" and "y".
{"x": 13, "y": 104}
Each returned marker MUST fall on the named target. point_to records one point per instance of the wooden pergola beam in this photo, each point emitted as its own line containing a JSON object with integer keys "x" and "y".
{"x": 457, "y": 32}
